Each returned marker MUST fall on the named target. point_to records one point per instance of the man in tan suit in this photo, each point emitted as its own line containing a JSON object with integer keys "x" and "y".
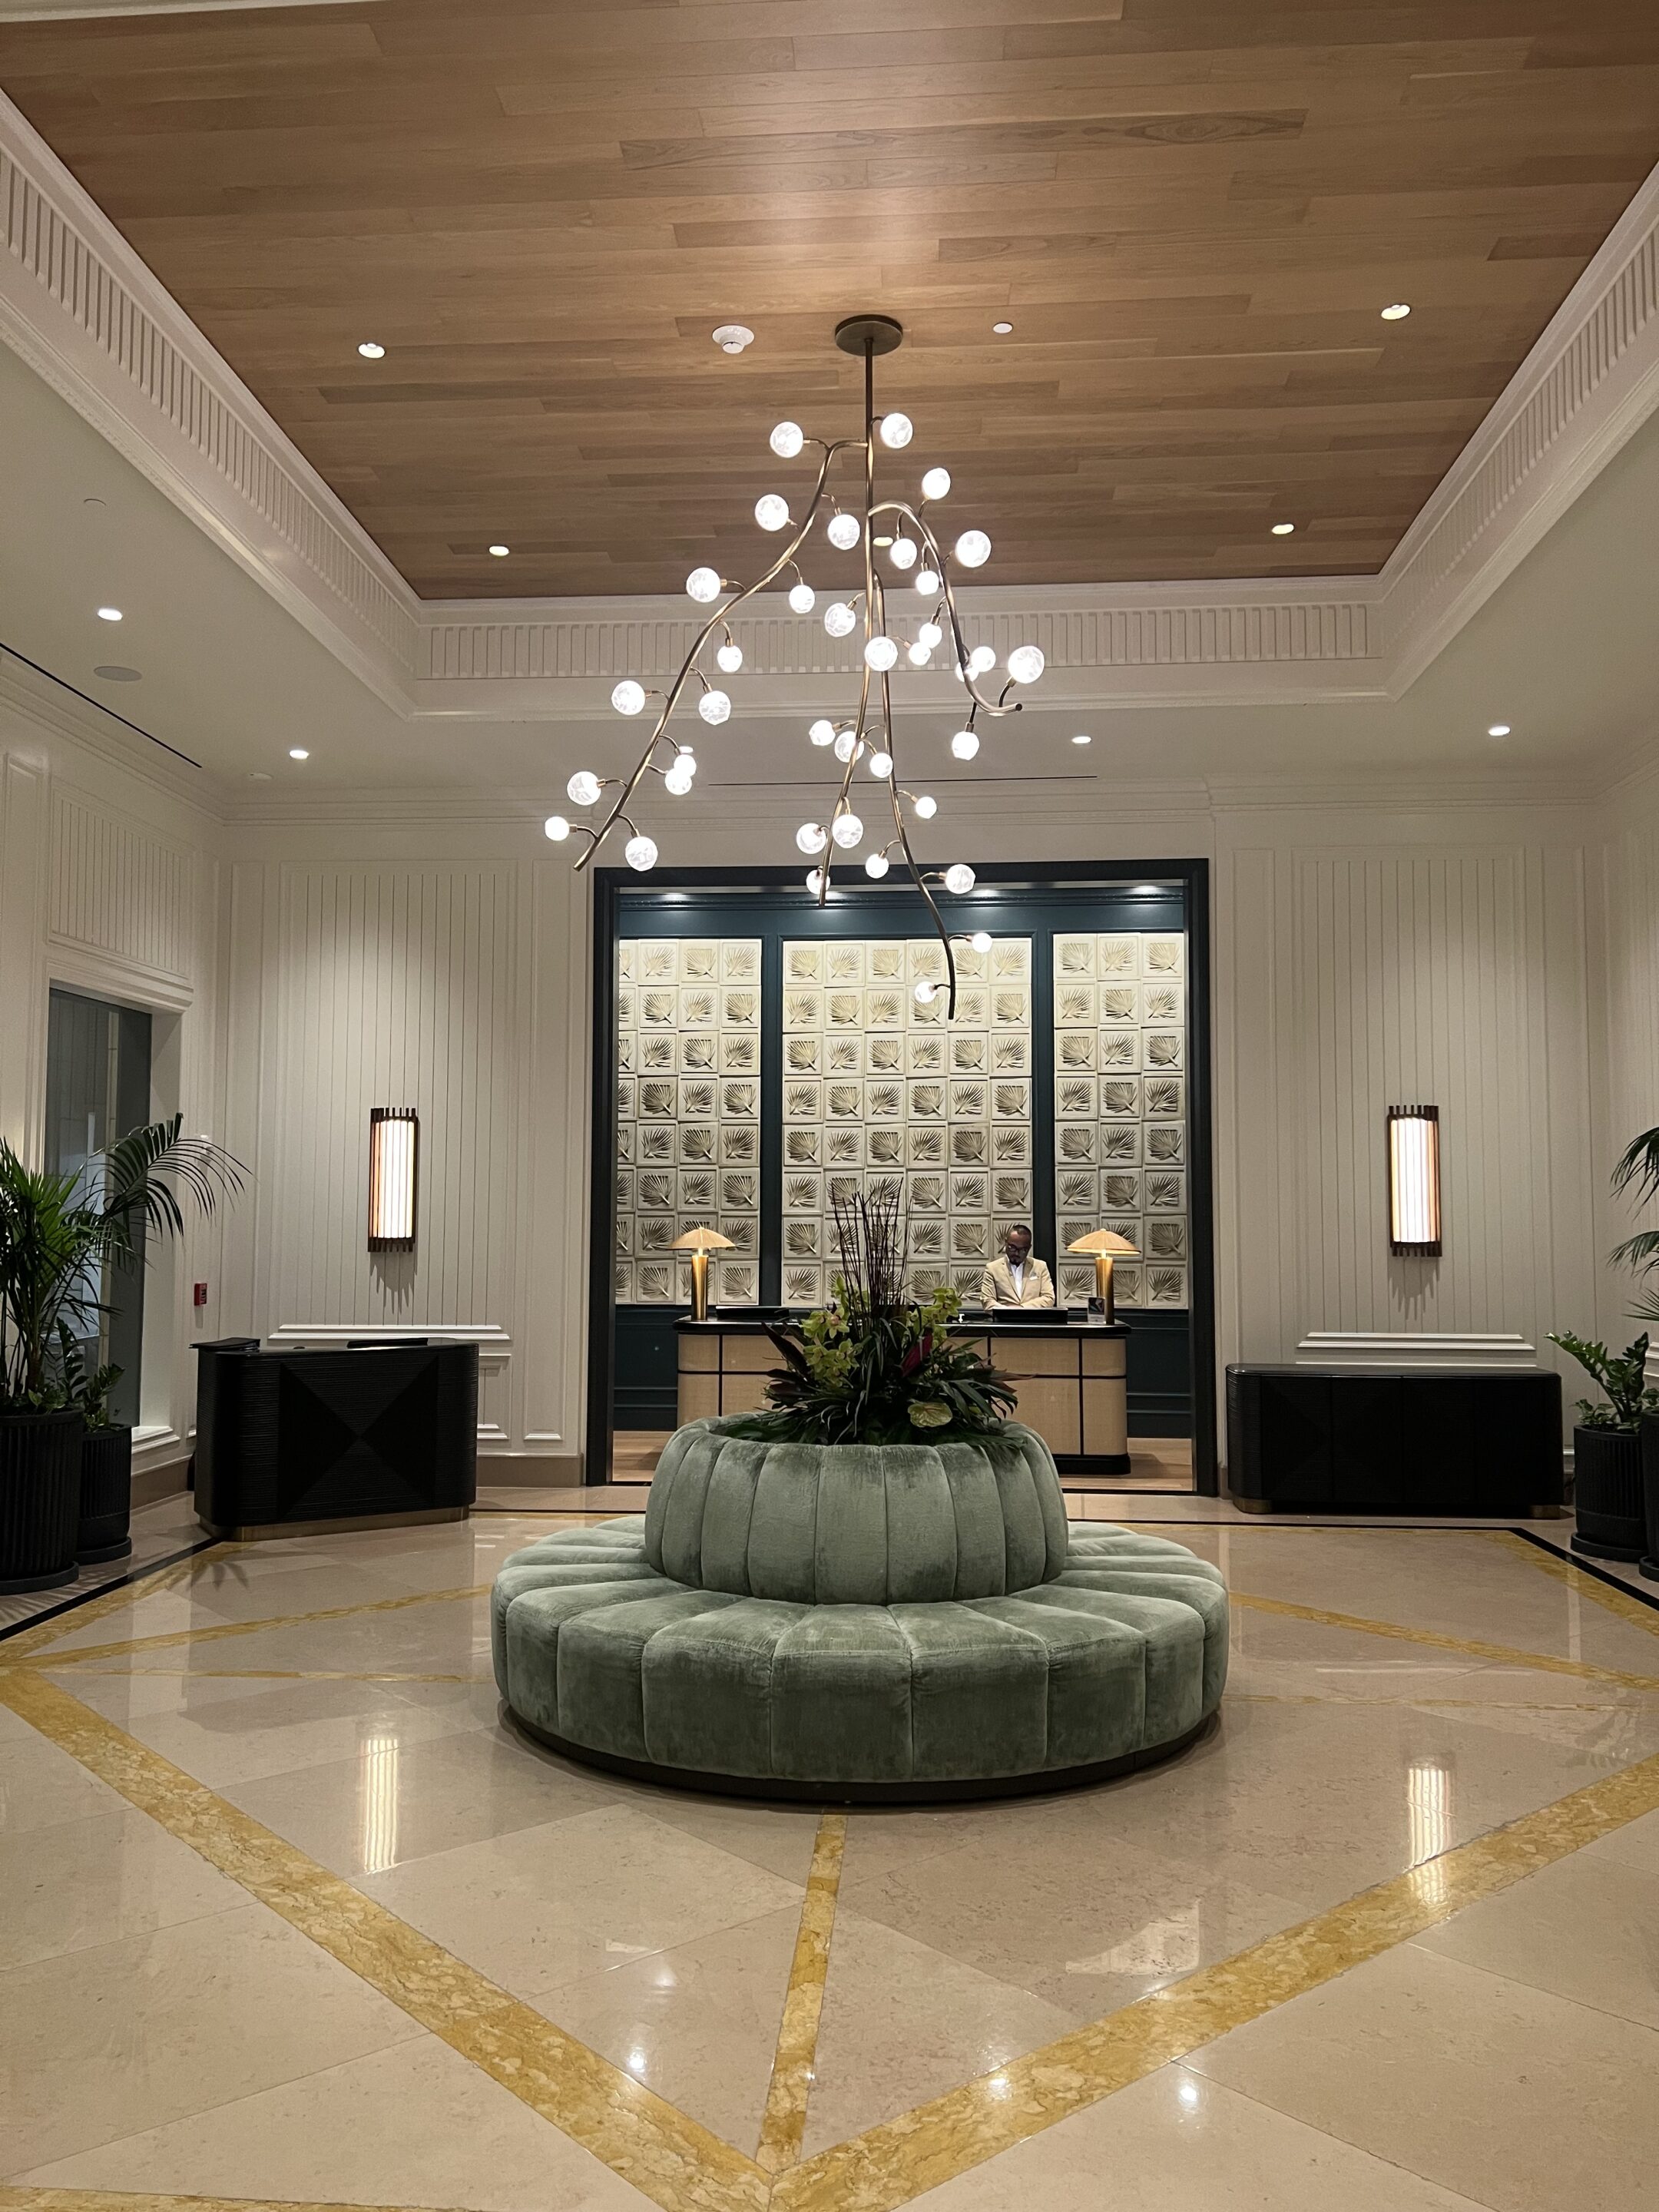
{"x": 1016, "y": 1279}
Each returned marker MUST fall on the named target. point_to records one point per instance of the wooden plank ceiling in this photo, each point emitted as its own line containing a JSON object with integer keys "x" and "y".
{"x": 1191, "y": 211}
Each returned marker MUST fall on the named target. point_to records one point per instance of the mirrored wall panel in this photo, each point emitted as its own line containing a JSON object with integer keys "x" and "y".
{"x": 688, "y": 1113}
{"x": 1121, "y": 1108}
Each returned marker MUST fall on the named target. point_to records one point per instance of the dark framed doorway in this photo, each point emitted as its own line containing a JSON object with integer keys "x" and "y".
{"x": 98, "y": 1087}
{"x": 1175, "y": 1391}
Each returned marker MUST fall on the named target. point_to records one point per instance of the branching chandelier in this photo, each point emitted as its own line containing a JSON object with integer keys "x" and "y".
{"x": 867, "y": 738}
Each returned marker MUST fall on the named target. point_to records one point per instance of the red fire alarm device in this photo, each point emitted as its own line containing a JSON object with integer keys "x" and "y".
{"x": 200, "y": 1298}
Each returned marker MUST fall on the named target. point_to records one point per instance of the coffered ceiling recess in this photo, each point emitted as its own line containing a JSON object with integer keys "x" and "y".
{"x": 1191, "y": 215}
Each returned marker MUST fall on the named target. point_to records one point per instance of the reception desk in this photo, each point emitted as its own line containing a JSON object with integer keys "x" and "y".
{"x": 1071, "y": 1378}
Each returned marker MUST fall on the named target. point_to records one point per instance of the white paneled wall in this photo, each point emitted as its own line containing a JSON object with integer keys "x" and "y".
{"x": 1627, "y": 929}
{"x": 1497, "y": 959}
{"x": 1356, "y": 978}
{"x": 109, "y": 884}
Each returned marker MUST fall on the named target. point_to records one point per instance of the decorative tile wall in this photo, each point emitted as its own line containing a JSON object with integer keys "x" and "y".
{"x": 1120, "y": 1015}
{"x": 687, "y": 1114}
{"x": 879, "y": 1088}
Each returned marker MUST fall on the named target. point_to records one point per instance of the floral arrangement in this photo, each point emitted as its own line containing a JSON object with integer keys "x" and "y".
{"x": 877, "y": 1367}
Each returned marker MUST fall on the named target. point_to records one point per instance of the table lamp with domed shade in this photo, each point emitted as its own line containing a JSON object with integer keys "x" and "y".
{"x": 700, "y": 1242}
{"x": 1106, "y": 1245}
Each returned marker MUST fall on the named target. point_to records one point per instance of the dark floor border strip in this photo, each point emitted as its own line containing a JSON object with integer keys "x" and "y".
{"x": 1587, "y": 1567}
{"x": 119, "y": 1582}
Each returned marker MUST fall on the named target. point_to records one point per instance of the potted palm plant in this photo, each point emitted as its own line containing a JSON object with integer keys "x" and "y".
{"x": 1607, "y": 1449}
{"x": 57, "y": 1233}
{"x": 104, "y": 1528}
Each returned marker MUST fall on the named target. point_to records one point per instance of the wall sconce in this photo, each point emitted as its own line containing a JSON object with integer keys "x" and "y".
{"x": 1414, "y": 1182}
{"x": 700, "y": 1242}
{"x": 394, "y": 1134}
{"x": 1105, "y": 1245}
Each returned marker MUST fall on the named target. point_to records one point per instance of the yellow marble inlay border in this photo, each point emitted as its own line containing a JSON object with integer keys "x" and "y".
{"x": 144, "y": 1582}
{"x": 13, "y": 2198}
{"x": 1628, "y": 1607}
{"x": 215, "y": 1631}
{"x": 787, "y": 2094}
{"x": 1506, "y": 1655}
{"x": 67, "y": 1665}
{"x": 672, "y": 2159}
{"x": 888, "y": 2164}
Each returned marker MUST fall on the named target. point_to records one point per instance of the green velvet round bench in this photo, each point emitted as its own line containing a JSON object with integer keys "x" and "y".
{"x": 859, "y": 1624}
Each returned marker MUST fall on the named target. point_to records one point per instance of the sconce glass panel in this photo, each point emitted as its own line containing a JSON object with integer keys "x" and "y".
{"x": 1414, "y": 1182}
{"x": 393, "y": 1141}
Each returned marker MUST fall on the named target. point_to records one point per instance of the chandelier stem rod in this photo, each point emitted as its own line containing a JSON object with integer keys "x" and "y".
{"x": 702, "y": 639}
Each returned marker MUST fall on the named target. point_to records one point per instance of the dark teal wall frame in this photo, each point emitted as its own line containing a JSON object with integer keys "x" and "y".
{"x": 1173, "y": 1375}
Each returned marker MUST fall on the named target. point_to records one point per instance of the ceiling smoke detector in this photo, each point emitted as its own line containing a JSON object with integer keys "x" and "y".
{"x": 732, "y": 338}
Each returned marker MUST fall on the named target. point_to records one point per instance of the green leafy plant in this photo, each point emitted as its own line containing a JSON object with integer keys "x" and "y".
{"x": 1637, "y": 1176}
{"x": 1621, "y": 1376}
{"x": 58, "y": 1230}
{"x": 88, "y": 1393}
{"x": 876, "y": 1367}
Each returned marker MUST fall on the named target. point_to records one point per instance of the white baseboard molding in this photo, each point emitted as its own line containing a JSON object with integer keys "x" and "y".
{"x": 1336, "y": 1347}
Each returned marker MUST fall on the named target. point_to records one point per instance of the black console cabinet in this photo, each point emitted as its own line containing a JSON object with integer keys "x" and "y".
{"x": 293, "y": 1437}
{"x": 1419, "y": 1441}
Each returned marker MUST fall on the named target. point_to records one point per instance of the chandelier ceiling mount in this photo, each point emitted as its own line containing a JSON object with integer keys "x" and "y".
{"x": 905, "y": 530}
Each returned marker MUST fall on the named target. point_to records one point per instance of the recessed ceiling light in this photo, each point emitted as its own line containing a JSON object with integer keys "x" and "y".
{"x": 732, "y": 338}
{"x": 112, "y": 672}
{"x": 298, "y": 753}
{"x": 109, "y": 614}
{"x": 1497, "y": 730}
{"x": 500, "y": 551}
{"x": 1397, "y": 313}
{"x": 1083, "y": 737}
{"x": 370, "y": 351}
{"x": 1002, "y": 329}
{"x": 1282, "y": 529}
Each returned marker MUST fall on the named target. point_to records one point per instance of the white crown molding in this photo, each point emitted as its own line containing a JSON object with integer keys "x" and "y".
{"x": 83, "y": 310}
{"x": 81, "y": 307}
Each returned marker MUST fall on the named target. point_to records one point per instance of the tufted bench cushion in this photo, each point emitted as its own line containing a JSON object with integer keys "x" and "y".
{"x": 1121, "y": 1655}
{"x": 855, "y": 1524}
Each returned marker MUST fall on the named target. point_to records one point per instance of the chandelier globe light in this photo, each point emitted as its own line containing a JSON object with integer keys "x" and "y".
{"x": 856, "y": 515}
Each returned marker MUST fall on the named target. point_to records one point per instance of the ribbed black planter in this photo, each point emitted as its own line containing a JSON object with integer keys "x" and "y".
{"x": 106, "y": 1529}
{"x": 1649, "y": 1559}
{"x": 1607, "y": 1494}
{"x": 40, "y": 1499}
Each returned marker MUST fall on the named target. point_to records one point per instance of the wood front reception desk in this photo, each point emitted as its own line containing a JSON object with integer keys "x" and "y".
{"x": 1071, "y": 1377}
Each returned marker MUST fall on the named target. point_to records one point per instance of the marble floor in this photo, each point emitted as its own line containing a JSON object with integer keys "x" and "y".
{"x": 288, "y": 1915}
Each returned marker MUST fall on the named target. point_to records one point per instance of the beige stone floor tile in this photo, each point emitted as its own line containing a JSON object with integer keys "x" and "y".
{"x": 41, "y": 1787}
{"x": 103, "y": 2043}
{"x": 698, "y": 2022}
{"x": 413, "y": 2125}
{"x": 368, "y": 1814}
{"x": 81, "y": 1883}
{"x": 448, "y": 1635}
{"x": 1300, "y": 1802}
{"x": 1636, "y": 1844}
{"x": 1087, "y": 1932}
{"x": 539, "y": 1907}
{"x": 1586, "y": 1928}
{"x": 902, "y": 2023}
{"x": 277, "y": 1727}
{"x": 779, "y": 1837}
{"x": 1177, "y": 2142}
{"x": 1523, "y": 2100}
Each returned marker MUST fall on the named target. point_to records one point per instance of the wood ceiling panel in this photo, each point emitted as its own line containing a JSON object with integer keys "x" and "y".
{"x": 1191, "y": 212}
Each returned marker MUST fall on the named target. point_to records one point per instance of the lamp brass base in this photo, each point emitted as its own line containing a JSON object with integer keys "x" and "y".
{"x": 1103, "y": 1283}
{"x": 700, "y": 1286}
